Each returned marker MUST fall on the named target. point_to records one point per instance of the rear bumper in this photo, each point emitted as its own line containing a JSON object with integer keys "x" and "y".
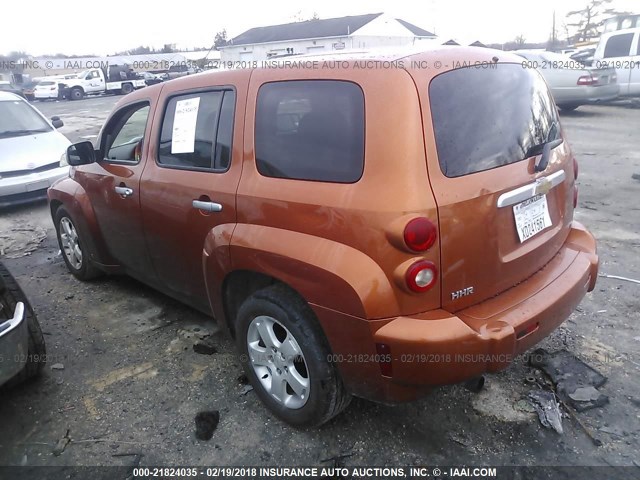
{"x": 587, "y": 94}
{"x": 438, "y": 347}
{"x": 14, "y": 344}
{"x": 45, "y": 95}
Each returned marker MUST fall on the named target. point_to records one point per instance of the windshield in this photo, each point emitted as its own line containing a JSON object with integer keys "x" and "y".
{"x": 487, "y": 118}
{"x": 17, "y": 118}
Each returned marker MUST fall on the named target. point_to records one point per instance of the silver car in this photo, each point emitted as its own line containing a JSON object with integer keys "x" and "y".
{"x": 572, "y": 84}
{"x": 22, "y": 347}
{"x": 32, "y": 152}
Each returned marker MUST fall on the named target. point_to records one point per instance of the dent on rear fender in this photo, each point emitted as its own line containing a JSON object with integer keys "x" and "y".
{"x": 325, "y": 272}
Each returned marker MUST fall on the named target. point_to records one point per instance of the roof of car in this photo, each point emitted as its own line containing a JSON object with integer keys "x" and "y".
{"x": 8, "y": 96}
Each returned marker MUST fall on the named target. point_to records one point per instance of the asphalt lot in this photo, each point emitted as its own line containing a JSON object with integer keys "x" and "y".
{"x": 132, "y": 384}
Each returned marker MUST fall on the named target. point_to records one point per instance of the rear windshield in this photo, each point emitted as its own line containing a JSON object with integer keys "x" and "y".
{"x": 491, "y": 117}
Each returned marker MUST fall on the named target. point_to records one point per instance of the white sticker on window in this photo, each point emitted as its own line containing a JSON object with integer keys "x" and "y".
{"x": 184, "y": 125}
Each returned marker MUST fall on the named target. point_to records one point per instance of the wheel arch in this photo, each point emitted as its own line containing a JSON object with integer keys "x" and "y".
{"x": 321, "y": 271}
{"x": 70, "y": 195}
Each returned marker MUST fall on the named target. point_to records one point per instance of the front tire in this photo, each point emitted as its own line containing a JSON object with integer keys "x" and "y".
{"x": 287, "y": 359}
{"x": 73, "y": 247}
{"x": 10, "y": 295}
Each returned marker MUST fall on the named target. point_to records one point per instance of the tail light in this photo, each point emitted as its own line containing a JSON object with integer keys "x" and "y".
{"x": 420, "y": 234}
{"x": 587, "y": 80}
{"x": 421, "y": 276}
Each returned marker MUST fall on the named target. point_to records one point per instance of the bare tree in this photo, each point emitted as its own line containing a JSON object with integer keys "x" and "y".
{"x": 520, "y": 41}
{"x": 220, "y": 39}
{"x": 587, "y": 21}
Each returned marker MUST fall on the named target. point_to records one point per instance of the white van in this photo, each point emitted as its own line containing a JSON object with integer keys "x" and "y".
{"x": 621, "y": 50}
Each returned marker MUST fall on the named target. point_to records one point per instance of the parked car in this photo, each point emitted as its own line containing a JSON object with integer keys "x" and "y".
{"x": 32, "y": 152}
{"x": 28, "y": 90}
{"x": 22, "y": 346}
{"x": 571, "y": 83}
{"x": 584, "y": 56}
{"x": 176, "y": 71}
{"x": 369, "y": 232}
{"x": 45, "y": 90}
{"x": 10, "y": 88}
{"x": 151, "y": 78}
{"x": 621, "y": 50}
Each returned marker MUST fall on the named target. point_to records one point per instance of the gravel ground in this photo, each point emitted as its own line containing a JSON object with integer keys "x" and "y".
{"x": 131, "y": 382}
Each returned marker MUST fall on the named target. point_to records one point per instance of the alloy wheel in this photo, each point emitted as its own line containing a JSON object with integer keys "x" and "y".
{"x": 278, "y": 362}
{"x": 70, "y": 243}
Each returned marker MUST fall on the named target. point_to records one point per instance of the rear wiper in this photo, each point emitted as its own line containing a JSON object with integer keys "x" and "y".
{"x": 545, "y": 148}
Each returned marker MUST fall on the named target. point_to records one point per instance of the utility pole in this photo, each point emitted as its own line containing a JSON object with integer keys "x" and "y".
{"x": 553, "y": 32}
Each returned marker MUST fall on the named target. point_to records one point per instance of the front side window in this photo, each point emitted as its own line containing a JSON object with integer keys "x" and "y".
{"x": 124, "y": 140}
{"x": 487, "y": 118}
{"x": 310, "y": 130}
{"x": 618, "y": 46}
{"x": 197, "y": 131}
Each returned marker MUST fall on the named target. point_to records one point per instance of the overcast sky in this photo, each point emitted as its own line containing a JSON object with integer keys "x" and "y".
{"x": 81, "y": 27}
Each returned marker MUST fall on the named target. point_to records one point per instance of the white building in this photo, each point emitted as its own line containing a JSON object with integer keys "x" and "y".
{"x": 318, "y": 36}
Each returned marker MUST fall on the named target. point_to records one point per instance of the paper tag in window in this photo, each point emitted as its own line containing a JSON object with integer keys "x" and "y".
{"x": 184, "y": 125}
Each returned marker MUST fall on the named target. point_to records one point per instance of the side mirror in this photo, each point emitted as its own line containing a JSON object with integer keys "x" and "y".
{"x": 57, "y": 122}
{"x": 81, "y": 153}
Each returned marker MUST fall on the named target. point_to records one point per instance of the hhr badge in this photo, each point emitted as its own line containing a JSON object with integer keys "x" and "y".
{"x": 465, "y": 292}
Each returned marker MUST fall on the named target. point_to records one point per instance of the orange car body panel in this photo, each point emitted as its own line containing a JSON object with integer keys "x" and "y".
{"x": 340, "y": 246}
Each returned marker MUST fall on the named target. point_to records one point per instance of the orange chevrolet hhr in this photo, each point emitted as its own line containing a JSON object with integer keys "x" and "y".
{"x": 369, "y": 226}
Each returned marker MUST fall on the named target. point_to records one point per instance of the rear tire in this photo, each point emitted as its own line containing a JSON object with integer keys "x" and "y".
{"x": 292, "y": 332}
{"x": 126, "y": 88}
{"x": 73, "y": 247}
{"x": 10, "y": 295}
{"x": 76, "y": 94}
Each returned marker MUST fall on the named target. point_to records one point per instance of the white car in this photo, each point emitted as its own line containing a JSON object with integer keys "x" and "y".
{"x": 46, "y": 89}
{"x": 572, "y": 84}
{"x": 621, "y": 50}
{"x": 32, "y": 152}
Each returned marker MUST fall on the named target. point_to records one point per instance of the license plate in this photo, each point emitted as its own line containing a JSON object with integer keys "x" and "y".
{"x": 532, "y": 216}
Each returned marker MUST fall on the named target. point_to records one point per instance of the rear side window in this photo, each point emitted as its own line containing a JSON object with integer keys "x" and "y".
{"x": 197, "y": 130}
{"x": 310, "y": 130}
{"x": 487, "y": 118}
{"x": 618, "y": 46}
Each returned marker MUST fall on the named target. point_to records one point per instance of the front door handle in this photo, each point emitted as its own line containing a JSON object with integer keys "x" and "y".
{"x": 207, "y": 206}
{"x": 124, "y": 191}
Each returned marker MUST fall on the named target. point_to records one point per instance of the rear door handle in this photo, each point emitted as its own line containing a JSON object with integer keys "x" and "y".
{"x": 124, "y": 191}
{"x": 207, "y": 206}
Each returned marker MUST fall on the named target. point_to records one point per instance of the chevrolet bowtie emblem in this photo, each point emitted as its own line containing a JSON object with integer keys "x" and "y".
{"x": 543, "y": 185}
